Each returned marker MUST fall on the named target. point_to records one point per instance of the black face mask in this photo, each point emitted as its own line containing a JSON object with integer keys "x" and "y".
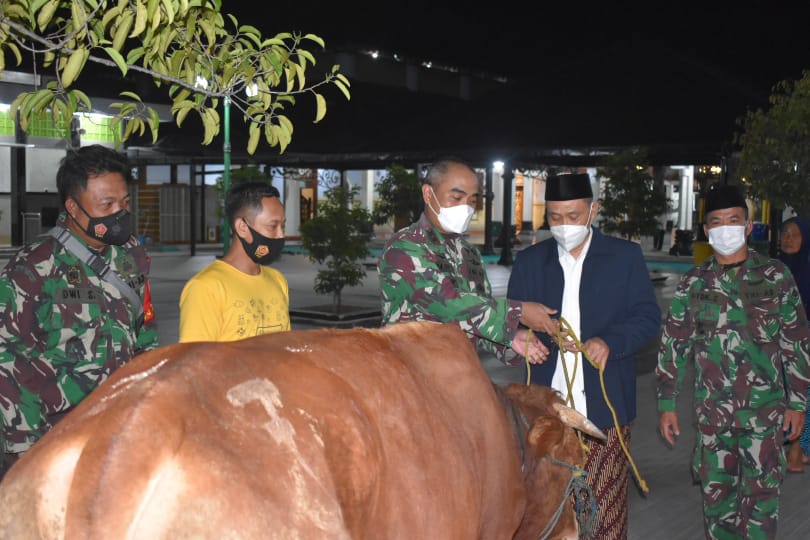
{"x": 262, "y": 250}
{"x": 115, "y": 229}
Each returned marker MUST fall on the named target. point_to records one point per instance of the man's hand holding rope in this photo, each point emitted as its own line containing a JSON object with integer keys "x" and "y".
{"x": 595, "y": 349}
{"x": 537, "y": 317}
{"x": 524, "y": 341}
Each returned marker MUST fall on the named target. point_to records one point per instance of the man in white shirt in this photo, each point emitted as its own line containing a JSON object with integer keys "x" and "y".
{"x": 602, "y": 288}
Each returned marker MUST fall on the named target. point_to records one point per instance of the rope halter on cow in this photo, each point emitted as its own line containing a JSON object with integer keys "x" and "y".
{"x": 576, "y": 487}
{"x": 579, "y": 490}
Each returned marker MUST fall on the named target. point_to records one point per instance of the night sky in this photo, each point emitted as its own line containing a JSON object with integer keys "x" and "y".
{"x": 664, "y": 73}
{"x": 753, "y": 45}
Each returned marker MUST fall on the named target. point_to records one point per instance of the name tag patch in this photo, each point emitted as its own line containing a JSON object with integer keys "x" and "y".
{"x": 77, "y": 295}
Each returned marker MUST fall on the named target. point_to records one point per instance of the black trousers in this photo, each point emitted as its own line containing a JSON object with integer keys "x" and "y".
{"x": 658, "y": 240}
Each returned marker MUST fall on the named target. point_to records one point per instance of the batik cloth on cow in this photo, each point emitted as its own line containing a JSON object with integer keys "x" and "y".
{"x": 743, "y": 325}
{"x": 608, "y": 474}
{"x": 63, "y": 330}
{"x": 427, "y": 275}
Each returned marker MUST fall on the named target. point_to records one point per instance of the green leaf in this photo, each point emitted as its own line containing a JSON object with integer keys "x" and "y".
{"x": 272, "y": 41}
{"x": 305, "y": 56}
{"x": 140, "y": 19}
{"x": 154, "y": 123}
{"x": 342, "y": 88}
{"x": 131, "y": 95}
{"x": 15, "y": 51}
{"x": 210, "y": 119}
{"x": 250, "y": 30}
{"x": 181, "y": 113}
{"x": 134, "y": 55}
{"x": 74, "y": 66}
{"x": 108, "y": 16}
{"x": 122, "y": 30}
{"x": 82, "y": 99}
{"x": 316, "y": 39}
{"x": 169, "y": 8}
{"x": 46, "y": 14}
{"x": 118, "y": 59}
{"x": 253, "y": 140}
{"x": 320, "y": 104}
{"x": 285, "y": 123}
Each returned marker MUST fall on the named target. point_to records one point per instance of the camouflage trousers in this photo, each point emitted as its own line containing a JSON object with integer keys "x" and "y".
{"x": 741, "y": 472}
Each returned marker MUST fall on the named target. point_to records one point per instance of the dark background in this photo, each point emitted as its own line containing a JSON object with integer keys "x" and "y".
{"x": 580, "y": 74}
{"x": 749, "y": 45}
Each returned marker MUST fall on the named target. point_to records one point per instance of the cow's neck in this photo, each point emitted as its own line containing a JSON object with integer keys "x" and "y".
{"x": 519, "y": 423}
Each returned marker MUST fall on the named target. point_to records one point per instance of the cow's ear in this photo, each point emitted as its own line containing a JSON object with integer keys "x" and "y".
{"x": 545, "y": 434}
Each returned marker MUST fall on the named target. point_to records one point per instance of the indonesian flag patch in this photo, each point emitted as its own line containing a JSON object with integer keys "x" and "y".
{"x": 148, "y": 310}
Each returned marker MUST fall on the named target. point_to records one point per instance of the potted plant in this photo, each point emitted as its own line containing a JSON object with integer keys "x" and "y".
{"x": 338, "y": 237}
{"x": 399, "y": 196}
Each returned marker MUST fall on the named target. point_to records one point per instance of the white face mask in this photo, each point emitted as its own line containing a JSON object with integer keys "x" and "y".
{"x": 453, "y": 219}
{"x": 727, "y": 239}
{"x": 571, "y": 236}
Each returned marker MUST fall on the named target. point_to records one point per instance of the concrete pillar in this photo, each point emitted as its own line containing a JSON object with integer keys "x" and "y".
{"x": 686, "y": 195}
{"x": 292, "y": 207}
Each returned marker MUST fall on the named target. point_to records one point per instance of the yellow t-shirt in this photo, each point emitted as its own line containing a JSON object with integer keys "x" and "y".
{"x": 221, "y": 303}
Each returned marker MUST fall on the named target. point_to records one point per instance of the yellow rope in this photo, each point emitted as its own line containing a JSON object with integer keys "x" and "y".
{"x": 565, "y": 327}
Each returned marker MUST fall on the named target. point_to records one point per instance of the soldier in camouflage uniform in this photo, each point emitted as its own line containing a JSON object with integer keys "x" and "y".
{"x": 740, "y": 317}
{"x": 63, "y": 329}
{"x": 428, "y": 271}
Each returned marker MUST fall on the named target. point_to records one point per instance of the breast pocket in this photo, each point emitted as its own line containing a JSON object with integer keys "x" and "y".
{"x": 78, "y": 315}
{"x": 764, "y": 321}
{"x": 707, "y": 318}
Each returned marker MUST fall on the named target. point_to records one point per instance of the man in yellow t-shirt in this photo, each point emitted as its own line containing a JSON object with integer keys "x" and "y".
{"x": 239, "y": 296}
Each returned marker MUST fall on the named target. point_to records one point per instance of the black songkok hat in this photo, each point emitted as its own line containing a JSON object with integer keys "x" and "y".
{"x": 724, "y": 196}
{"x": 568, "y": 187}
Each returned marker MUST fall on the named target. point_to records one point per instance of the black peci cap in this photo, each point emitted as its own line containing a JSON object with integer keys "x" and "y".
{"x": 568, "y": 187}
{"x": 720, "y": 197}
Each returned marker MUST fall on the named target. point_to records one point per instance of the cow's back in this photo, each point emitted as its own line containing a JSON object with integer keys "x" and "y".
{"x": 310, "y": 434}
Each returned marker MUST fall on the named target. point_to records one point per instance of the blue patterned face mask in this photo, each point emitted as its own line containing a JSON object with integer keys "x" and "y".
{"x": 727, "y": 239}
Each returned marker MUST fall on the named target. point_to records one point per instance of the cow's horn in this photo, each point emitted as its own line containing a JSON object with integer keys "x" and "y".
{"x": 577, "y": 420}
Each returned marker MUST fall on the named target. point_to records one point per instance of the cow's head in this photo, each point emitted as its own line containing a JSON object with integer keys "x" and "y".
{"x": 553, "y": 462}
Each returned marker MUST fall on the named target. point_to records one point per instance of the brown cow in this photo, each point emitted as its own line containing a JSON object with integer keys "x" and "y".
{"x": 391, "y": 433}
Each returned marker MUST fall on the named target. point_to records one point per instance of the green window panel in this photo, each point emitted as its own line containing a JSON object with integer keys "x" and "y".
{"x": 96, "y": 128}
{"x": 42, "y": 126}
{"x": 6, "y": 124}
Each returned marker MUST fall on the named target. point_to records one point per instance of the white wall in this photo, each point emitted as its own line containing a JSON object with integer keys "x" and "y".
{"x": 5, "y": 220}
{"x": 5, "y": 171}
{"x": 158, "y": 174}
{"x": 41, "y": 166}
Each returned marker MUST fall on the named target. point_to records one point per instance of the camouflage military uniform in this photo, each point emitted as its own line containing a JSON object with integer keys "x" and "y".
{"x": 740, "y": 325}
{"x": 63, "y": 330}
{"x": 426, "y": 275}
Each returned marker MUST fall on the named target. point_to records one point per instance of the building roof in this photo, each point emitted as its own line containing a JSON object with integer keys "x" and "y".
{"x": 543, "y": 120}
